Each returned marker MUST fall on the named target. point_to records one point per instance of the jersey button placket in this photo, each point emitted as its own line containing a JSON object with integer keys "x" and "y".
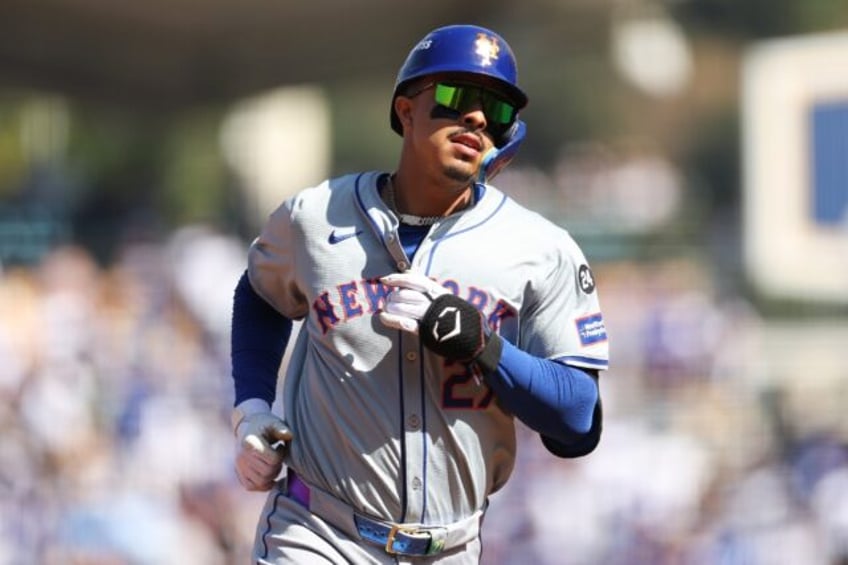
{"x": 393, "y": 246}
{"x": 413, "y": 400}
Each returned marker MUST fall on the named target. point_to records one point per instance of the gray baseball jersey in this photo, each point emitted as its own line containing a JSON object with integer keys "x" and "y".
{"x": 385, "y": 425}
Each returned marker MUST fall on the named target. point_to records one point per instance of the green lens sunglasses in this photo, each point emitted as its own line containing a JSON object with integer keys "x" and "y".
{"x": 462, "y": 98}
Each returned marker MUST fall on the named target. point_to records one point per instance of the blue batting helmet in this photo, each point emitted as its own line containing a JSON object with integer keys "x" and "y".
{"x": 461, "y": 49}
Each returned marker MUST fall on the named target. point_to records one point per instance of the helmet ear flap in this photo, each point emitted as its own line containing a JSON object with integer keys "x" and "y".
{"x": 499, "y": 157}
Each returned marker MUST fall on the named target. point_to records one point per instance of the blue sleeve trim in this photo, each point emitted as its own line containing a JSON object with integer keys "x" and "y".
{"x": 553, "y": 399}
{"x": 585, "y": 362}
{"x": 258, "y": 339}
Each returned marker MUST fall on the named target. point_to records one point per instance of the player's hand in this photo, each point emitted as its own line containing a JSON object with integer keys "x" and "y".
{"x": 447, "y": 324}
{"x": 412, "y": 294}
{"x": 262, "y": 442}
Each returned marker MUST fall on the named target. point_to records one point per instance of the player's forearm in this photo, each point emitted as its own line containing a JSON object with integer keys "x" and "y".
{"x": 553, "y": 399}
{"x": 258, "y": 339}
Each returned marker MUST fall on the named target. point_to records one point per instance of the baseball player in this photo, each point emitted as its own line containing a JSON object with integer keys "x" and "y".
{"x": 435, "y": 310}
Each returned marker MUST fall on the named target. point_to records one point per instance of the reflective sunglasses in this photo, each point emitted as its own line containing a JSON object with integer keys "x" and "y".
{"x": 462, "y": 98}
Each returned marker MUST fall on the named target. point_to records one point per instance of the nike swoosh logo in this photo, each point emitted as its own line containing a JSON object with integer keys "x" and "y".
{"x": 336, "y": 237}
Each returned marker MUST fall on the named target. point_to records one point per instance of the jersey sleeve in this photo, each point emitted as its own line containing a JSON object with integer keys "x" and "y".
{"x": 272, "y": 259}
{"x": 564, "y": 321}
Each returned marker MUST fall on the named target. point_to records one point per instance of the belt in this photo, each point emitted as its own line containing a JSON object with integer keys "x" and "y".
{"x": 394, "y": 539}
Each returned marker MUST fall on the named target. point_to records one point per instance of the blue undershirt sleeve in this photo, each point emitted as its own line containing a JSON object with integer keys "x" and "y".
{"x": 554, "y": 399}
{"x": 258, "y": 339}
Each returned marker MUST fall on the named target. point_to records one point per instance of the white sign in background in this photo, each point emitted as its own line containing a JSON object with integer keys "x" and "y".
{"x": 795, "y": 158}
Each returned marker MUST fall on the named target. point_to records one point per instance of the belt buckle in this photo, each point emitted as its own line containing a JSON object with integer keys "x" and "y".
{"x": 393, "y": 532}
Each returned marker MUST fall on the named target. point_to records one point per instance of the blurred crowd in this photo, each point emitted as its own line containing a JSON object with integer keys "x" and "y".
{"x": 116, "y": 445}
{"x": 116, "y": 401}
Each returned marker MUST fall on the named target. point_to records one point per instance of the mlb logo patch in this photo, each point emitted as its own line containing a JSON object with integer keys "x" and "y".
{"x": 591, "y": 329}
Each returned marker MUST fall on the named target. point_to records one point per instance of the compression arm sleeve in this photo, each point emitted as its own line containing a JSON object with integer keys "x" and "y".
{"x": 554, "y": 399}
{"x": 258, "y": 339}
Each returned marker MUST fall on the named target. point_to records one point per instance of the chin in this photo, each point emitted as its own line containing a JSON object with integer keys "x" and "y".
{"x": 461, "y": 170}
{"x": 461, "y": 174}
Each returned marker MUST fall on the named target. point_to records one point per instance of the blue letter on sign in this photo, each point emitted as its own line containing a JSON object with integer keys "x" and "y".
{"x": 829, "y": 130}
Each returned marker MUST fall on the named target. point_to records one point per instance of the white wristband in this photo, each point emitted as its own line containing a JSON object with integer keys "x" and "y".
{"x": 247, "y": 408}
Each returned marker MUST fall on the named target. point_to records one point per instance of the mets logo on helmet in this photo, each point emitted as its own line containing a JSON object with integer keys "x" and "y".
{"x": 487, "y": 47}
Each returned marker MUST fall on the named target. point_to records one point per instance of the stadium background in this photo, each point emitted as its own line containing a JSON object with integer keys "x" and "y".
{"x": 698, "y": 150}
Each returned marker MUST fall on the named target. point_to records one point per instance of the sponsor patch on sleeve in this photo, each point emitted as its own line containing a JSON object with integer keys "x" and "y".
{"x": 591, "y": 329}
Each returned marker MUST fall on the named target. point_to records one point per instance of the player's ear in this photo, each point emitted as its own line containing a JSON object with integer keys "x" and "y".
{"x": 403, "y": 109}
